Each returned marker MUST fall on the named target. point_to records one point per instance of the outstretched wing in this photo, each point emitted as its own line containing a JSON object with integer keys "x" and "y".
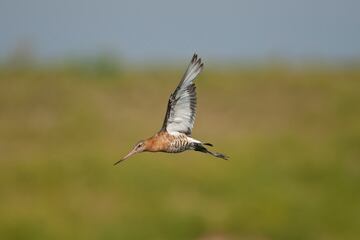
{"x": 180, "y": 114}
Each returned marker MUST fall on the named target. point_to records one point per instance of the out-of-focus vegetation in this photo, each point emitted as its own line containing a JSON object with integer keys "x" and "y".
{"x": 293, "y": 135}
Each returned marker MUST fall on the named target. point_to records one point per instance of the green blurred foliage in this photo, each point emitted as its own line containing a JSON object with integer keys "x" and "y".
{"x": 293, "y": 135}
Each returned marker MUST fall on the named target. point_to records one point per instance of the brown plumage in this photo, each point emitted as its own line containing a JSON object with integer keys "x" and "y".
{"x": 175, "y": 133}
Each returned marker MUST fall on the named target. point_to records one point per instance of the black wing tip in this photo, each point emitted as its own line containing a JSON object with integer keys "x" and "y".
{"x": 194, "y": 58}
{"x": 198, "y": 61}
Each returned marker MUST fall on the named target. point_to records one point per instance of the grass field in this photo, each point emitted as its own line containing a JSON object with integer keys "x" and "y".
{"x": 292, "y": 133}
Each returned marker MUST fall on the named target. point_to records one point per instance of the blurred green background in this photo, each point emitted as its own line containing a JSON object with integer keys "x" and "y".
{"x": 293, "y": 135}
{"x": 82, "y": 81}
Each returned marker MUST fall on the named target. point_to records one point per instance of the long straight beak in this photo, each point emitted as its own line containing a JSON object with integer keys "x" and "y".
{"x": 126, "y": 157}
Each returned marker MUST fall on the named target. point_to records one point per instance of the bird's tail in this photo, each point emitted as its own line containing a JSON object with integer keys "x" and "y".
{"x": 200, "y": 148}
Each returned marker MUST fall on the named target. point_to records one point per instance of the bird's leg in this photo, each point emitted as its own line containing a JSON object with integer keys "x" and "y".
{"x": 200, "y": 148}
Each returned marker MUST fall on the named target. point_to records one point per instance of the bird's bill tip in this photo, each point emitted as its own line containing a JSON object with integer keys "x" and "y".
{"x": 126, "y": 157}
{"x": 118, "y": 162}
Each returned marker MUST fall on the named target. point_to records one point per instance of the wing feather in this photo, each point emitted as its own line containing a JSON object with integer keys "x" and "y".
{"x": 181, "y": 109}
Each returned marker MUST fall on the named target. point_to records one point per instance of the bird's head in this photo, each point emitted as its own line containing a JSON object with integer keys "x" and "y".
{"x": 138, "y": 148}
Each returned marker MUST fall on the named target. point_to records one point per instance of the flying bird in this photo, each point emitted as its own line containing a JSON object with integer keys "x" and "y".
{"x": 175, "y": 134}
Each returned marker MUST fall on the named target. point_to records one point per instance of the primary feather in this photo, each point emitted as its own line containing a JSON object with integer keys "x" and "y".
{"x": 181, "y": 110}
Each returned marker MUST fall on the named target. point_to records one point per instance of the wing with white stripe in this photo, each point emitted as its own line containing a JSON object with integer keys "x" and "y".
{"x": 181, "y": 109}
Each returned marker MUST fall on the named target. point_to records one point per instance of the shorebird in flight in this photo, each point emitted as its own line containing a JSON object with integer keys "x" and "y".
{"x": 175, "y": 134}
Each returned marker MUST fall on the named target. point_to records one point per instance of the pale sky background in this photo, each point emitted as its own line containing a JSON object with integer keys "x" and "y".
{"x": 161, "y": 29}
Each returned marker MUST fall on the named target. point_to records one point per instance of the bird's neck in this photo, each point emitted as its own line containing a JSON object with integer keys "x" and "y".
{"x": 157, "y": 143}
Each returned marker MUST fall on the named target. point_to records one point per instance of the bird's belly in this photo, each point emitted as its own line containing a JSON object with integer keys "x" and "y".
{"x": 178, "y": 146}
{"x": 175, "y": 150}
